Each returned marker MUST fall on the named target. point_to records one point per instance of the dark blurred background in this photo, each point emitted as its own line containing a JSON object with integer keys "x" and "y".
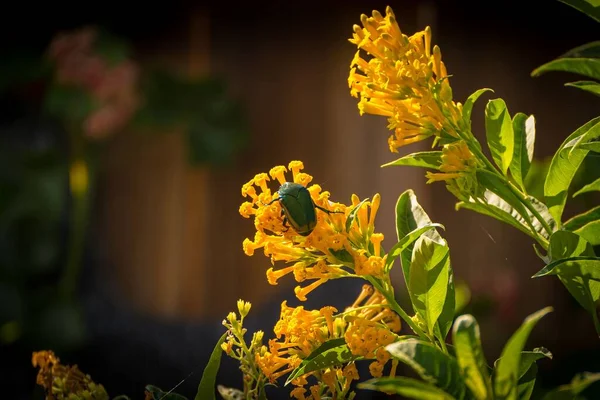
{"x": 163, "y": 262}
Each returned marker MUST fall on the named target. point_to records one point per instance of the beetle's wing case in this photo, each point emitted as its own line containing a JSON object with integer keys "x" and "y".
{"x": 298, "y": 207}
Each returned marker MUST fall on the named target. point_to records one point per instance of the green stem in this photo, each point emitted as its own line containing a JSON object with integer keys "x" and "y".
{"x": 444, "y": 348}
{"x": 78, "y": 217}
{"x": 517, "y": 193}
{"x": 475, "y": 149}
{"x": 396, "y": 307}
{"x": 533, "y": 234}
{"x": 530, "y": 207}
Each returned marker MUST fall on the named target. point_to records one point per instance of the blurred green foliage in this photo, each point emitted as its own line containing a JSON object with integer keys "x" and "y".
{"x": 33, "y": 201}
{"x": 214, "y": 124}
{"x": 36, "y": 208}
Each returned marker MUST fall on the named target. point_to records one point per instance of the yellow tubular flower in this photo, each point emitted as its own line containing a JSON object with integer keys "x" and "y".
{"x": 298, "y": 393}
{"x": 315, "y": 392}
{"x": 458, "y": 170}
{"x": 63, "y": 381}
{"x": 329, "y": 378}
{"x": 298, "y": 333}
{"x": 330, "y": 251}
{"x": 372, "y": 327}
{"x": 457, "y": 160}
{"x": 404, "y": 80}
{"x": 350, "y": 374}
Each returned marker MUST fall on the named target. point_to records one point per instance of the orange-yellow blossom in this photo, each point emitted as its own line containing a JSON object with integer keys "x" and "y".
{"x": 457, "y": 160}
{"x": 63, "y": 382}
{"x": 404, "y": 80}
{"x": 298, "y": 332}
{"x": 330, "y": 251}
{"x": 373, "y": 325}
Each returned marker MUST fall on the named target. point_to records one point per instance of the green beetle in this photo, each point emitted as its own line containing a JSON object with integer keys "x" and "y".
{"x": 298, "y": 208}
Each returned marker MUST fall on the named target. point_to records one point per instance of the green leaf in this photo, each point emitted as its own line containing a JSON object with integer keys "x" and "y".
{"x": 527, "y": 383}
{"x": 565, "y": 244}
{"x": 587, "y": 137}
{"x": 577, "y": 267}
{"x": 588, "y": 50}
{"x": 425, "y": 159}
{"x": 524, "y": 130}
{"x": 353, "y": 213}
{"x": 593, "y": 146}
{"x": 528, "y": 371}
{"x": 528, "y": 358}
{"x": 444, "y": 323}
{"x": 588, "y": 86}
{"x": 330, "y": 353}
{"x": 407, "y": 241}
{"x": 428, "y": 282}
{"x": 592, "y": 187}
{"x": 469, "y": 353}
{"x": 534, "y": 181}
{"x": 158, "y": 394}
{"x": 543, "y": 211}
{"x": 499, "y": 209}
{"x": 499, "y": 133}
{"x": 506, "y": 371}
{"x": 407, "y": 387}
{"x": 572, "y": 390}
{"x": 494, "y": 212}
{"x": 409, "y": 217}
{"x": 432, "y": 365}
{"x": 550, "y": 268}
{"x": 343, "y": 255}
{"x": 462, "y": 297}
{"x": 589, "y": 67}
{"x": 579, "y": 273}
{"x": 588, "y": 7}
{"x": 586, "y": 225}
{"x": 206, "y": 388}
{"x": 498, "y": 186}
{"x": 468, "y": 106}
{"x": 562, "y": 169}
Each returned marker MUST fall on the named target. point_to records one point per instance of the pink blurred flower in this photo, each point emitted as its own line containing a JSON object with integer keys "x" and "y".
{"x": 116, "y": 81}
{"x": 66, "y": 44}
{"x": 113, "y": 88}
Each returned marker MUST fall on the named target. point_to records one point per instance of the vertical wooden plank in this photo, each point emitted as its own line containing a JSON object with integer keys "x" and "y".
{"x": 167, "y": 283}
{"x": 140, "y": 189}
{"x": 194, "y": 277}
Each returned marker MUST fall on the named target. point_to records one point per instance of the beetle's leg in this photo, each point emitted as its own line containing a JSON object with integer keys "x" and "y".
{"x": 328, "y": 211}
{"x": 285, "y": 225}
{"x": 285, "y": 222}
{"x": 272, "y": 201}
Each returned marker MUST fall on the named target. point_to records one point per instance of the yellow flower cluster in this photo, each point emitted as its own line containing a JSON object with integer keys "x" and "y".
{"x": 372, "y": 327}
{"x": 457, "y": 161}
{"x": 236, "y": 347}
{"x": 404, "y": 80}
{"x": 64, "y": 382}
{"x": 301, "y": 332}
{"x": 330, "y": 251}
{"x": 328, "y": 387}
{"x": 458, "y": 169}
{"x": 367, "y": 326}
